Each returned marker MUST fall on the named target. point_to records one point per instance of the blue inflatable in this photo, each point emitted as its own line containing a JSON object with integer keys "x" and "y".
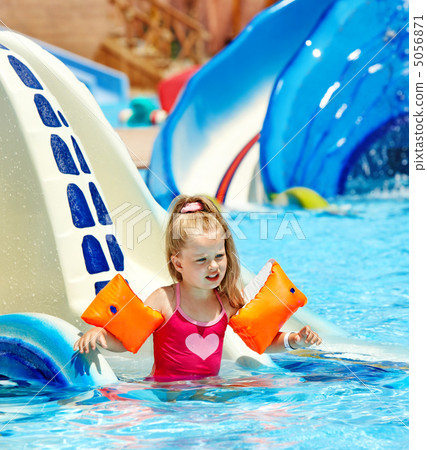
{"x": 39, "y": 347}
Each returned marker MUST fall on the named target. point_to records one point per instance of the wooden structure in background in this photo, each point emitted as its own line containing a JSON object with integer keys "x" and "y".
{"x": 79, "y": 26}
{"x": 158, "y": 39}
{"x": 146, "y": 39}
{"x": 162, "y": 37}
{"x": 240, "y": 16}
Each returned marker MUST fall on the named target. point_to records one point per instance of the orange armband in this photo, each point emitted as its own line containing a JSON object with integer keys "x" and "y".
{"x": 117, "y": 309}
{"x": 274, "y": 300}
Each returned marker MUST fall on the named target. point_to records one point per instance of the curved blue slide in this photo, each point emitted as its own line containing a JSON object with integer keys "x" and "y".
{"x": 39, "y": 347}
{"x": 353, "y": 89}
{"x": 281, "y": 71}
{"x": 224, "y": 104}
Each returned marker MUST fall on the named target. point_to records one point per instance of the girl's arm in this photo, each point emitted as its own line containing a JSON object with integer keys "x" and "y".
{"x": 304, "y": 338}
{"x": 101, "y": 336}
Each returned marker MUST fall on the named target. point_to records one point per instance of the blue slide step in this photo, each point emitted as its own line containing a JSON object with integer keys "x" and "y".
{"x": 39, "y": 347}
{"x": 108, "y": 86}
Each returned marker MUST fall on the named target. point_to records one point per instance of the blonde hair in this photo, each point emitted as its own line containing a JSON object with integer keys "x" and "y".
{"x": 207, "y": 219}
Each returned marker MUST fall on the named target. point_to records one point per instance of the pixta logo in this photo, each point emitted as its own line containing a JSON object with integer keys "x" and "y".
{"x": 131, "y": 224}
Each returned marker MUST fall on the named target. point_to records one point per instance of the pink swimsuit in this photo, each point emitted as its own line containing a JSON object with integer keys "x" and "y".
{"x": 187, "y": 349}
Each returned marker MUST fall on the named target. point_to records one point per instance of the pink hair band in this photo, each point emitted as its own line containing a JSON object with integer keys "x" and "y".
{"x": 192, "y": 207}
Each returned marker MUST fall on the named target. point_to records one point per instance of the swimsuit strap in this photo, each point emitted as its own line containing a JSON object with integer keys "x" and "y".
{"x": 219, "y": 299}
{"x": 178, "y": 296}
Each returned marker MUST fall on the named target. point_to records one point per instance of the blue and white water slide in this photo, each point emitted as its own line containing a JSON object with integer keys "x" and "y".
{"x": 75, "y": 212}
{"x": 280, "y": 77}
{"x": 107, "y": 85}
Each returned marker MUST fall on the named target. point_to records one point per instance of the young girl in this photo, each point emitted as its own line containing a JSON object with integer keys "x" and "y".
{"x": 202, "y": 259}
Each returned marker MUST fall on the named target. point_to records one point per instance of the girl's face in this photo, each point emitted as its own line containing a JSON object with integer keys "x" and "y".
{"x": 202, "y": 262}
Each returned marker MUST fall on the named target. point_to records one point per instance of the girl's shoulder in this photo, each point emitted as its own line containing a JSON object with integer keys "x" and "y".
{"x": 230, "y": 310}
{"x": 162, "y": 299}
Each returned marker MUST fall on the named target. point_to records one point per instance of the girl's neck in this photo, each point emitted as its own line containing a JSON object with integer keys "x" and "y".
{"x": 194, "y": 293}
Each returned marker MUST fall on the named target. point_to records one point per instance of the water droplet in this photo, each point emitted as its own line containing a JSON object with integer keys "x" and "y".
{"x": 354, "y": 55}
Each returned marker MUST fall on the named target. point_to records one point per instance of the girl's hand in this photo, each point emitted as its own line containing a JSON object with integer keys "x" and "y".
{"x": 90, "y": 339}
{"x": 304, "y": 338}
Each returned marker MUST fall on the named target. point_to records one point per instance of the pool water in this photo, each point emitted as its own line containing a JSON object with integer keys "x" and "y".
{"x": 353, "y": 269}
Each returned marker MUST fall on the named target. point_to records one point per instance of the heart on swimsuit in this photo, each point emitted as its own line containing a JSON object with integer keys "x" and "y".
{"x": 202, "y": 346}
